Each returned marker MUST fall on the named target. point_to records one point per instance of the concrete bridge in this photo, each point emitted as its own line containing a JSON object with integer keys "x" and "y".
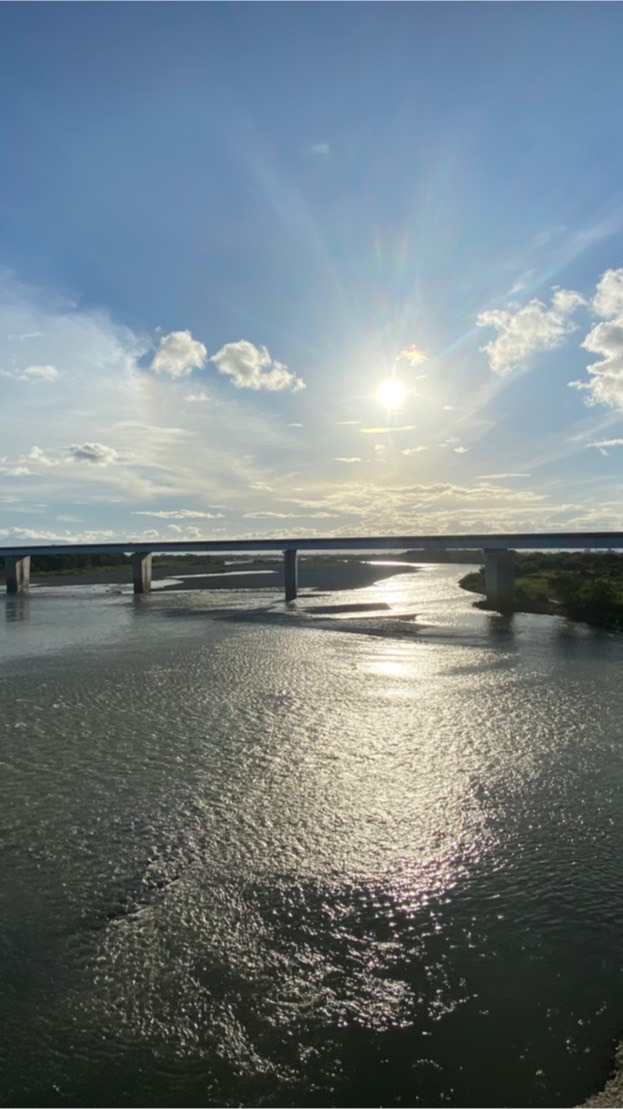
{"x": 497, "y": 552}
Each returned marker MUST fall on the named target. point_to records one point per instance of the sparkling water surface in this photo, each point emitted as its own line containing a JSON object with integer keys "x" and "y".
{"x": 250, "y": 856}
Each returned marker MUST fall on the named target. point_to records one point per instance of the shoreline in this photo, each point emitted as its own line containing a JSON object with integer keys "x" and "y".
{"x": 321, "y": 576}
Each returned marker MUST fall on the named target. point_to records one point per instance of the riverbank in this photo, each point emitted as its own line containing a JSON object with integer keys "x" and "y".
{"x": 583, "y": 586}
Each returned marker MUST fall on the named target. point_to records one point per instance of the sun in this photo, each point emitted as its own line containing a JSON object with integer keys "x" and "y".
{"x": 391, "y": 393}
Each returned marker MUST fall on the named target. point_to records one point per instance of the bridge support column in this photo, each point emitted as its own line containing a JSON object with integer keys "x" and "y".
{"x": 141, "y": 572}
{"x": 17, "y": 573}
{"x": 500, "y": 579}
{"x": 290, "y": 574}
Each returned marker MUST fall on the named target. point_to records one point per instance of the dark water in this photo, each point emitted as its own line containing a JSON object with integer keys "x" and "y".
{"x": 250, "y": 858}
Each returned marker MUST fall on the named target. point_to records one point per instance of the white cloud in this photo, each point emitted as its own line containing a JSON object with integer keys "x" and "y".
{"x": 318, "y": 149}
{"x": 178, "y": 354}
{"x": 180, "y": 514}
{"x": 498, "y": 477}
{"x": 252, "y": 367}
{"x": 198, "y": 398}
{"x": 460, "y": 450}
{"x": 15, "y": 471}
{"x": 35, "y": 454}
{"x": 34, "y": 373}
{"x": 525, "y": 330}
{"x": 603, "y": 445}
{"x": 414, "y": 450}
{"x": 605, "y": 383}
{"x": 607, "y": 443}
{"x": 608, "y": 299}
{"x": 385, "y": 430}
{"x": 289, "y": 515}
{"x": 43, "y": 536}
{"x": 347, "y": 460}
{"x": 96, "y": 453}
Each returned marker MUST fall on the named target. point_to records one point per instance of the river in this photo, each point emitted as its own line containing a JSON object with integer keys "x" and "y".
{"x": 250, "y": 857}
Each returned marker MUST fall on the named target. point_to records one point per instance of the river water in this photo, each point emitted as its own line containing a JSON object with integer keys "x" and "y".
{"x": 255, "y": 857}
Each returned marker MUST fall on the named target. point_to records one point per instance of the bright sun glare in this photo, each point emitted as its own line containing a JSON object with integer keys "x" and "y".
{"x": 391, "y": 393}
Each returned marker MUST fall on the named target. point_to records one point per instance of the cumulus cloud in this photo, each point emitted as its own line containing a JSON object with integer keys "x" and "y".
{"x": 180, "y": 514}
{"x": 414, "y": 450}
{"x": 460, "y": 450}
{"x": 252, "y": 367}
{"x": 96, "y": 453}
{"x": 524, "y": 330}
{"x": 608, "y": 299}
{"x": 354, "y": 459}
{"x": 178, "y": 354}
{"x": 605, "y": 339}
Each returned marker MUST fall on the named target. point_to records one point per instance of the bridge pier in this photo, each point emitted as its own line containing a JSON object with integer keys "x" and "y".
{"x": 500, "y": 579}
{"x": 290, "y": 574}
{"x": 141, "y": 572}
{"x": 17, "y": 573}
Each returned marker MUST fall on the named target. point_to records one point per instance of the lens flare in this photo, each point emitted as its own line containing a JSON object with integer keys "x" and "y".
{"x": 413, "y": 355}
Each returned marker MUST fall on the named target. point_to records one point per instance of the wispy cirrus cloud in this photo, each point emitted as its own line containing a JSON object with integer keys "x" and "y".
{"x": 317, "y": 150}
{"x": 33, "y": 374}
{"x": 604, "y": 445}
{"x": 386, "y": 430}
{"x": 198, "y": 398}
{"x": 503, "y": 476}
{"x": 180, "y": 514}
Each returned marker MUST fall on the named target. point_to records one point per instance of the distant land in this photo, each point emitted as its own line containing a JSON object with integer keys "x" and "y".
{"x": 88, "y": 564}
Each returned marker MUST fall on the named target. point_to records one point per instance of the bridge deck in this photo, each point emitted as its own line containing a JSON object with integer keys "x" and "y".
{"x": 578, "y": 540}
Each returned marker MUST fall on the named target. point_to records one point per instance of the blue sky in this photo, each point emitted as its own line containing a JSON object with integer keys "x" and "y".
{"x": 224, "y": 228}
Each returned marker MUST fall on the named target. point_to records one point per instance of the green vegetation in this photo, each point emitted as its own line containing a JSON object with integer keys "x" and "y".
{"x": 581, "y": 585}
{"x": 42, "y": 565}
